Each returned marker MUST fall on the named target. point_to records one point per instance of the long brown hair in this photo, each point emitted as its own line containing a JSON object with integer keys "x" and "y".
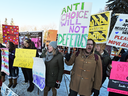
{"x": 11, "y": 46}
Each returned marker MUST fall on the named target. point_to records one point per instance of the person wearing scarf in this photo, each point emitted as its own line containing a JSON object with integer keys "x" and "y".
{"x": 54, "y": 68}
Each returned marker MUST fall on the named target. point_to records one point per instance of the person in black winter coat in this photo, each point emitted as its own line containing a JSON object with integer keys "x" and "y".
{"x": 26, "y": 71}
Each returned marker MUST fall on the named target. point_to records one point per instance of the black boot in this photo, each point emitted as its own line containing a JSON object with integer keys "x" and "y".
{"x": 10, "y": 83}
{"x": 15, "y": 83}
{"x": 31, "y": 87}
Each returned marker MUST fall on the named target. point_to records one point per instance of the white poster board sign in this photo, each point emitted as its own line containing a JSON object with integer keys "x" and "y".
{"x": 74, "y": 25}
{"x": 119, "y": 35}
{"x": 39, "y": 73}
{"x": 5, "y": 91}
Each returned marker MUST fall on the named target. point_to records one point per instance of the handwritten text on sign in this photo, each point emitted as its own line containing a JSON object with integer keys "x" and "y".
{"x": 118, "y": 37}
{"x": 24, "y": 58}
{"x": 118, "y": 82}
{"x": 39, "y": 73}
{"x": 74, "y": 25}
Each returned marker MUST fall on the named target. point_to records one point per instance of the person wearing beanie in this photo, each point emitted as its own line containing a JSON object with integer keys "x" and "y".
{"x": 54, "y": 68}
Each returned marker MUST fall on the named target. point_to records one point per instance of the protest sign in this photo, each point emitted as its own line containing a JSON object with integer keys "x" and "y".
{"x": 5, "y": 60}
{"x": 119, "y": 35}
{"x": 24, "y": 58}
{"x": 10, "y": 33}
{"x": 52, "y": 36}
{"x": 99, "y": 27}
{"x": 118, "y": 82}
{"x": 74, "y": 25}
{"x": 5, "y": 91}
{"x": 39, "y": 73}
{"x": 35, "y": 36}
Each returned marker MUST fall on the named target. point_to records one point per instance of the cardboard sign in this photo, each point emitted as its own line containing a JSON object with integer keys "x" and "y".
{"x": 74, "y": 25}
{"x": 5, "y": 91}
{"x": 10, "y": 33}
{"x": 119, "y": 37}
{"x": 52, "y": 36}
{"x": 39, "y": 73}
{"x": 5, "y": 60}
{"x": 118, "y": 82}
{"x": 99, "y": 27}
{"x": 24, "y": 58}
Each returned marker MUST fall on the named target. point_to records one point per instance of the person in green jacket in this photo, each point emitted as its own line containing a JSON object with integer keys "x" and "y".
{"x": 54, "y": 68}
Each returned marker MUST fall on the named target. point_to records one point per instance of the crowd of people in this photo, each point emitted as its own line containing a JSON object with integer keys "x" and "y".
{"x": 90, "y": 65}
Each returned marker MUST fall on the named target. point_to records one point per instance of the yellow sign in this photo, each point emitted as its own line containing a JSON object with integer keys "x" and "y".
{"x": 99, "y": 27}
{"x": 24, "y": 58}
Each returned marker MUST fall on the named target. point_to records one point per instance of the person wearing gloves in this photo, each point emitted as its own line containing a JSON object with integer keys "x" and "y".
{"x": 106, "y": 60}
{"x": 12, "y": 70}
{"x": 54, "y": 68}
{"x": 86, "y": 74}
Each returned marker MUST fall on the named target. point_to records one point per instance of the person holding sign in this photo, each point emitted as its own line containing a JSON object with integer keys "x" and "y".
{"x": 86, "y": 75}
{"x": 54, "y": 68}
{"x": 12, "y": 70}
{"x": 28, "y": 44}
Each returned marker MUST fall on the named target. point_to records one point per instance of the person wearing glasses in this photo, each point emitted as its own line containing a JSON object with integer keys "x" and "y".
{"x": 86, "y": 74}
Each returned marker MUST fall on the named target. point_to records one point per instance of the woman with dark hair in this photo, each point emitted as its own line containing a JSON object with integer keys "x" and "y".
{"x": 12, "y": 70}
{"x": 28, "y": 44}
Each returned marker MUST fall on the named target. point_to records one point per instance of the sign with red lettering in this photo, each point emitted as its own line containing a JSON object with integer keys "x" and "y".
{"x": 118, "y": 82}
{"x": 119, "y": 35}
{"x": 10, "y": 33}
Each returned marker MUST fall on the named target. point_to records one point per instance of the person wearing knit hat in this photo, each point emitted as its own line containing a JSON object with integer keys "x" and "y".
{"x": 53, "y": 44}
{"x": 54, "y": 68}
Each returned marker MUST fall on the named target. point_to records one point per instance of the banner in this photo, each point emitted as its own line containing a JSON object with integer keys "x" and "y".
{"x": 74, "y": 25}
{"x": 10, "y": 33}
{"x": 36, "y": 37}
{"x": 24, "y": 58}
{"x": 118, "y": 82}
{"x": 99, "y": 27}
{"x": 5, "y": 91}
{"x": 119, "y": 35}
{"x": 5, "y": 60}
{"x": 39, "y": 73}
{"x": 52, "y": 36}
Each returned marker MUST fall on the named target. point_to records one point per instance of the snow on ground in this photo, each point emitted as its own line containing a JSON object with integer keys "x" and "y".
{"x": 21, "y": 89}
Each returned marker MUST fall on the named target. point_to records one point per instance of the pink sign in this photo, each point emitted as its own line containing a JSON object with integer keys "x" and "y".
{"x": 118, "y": 82}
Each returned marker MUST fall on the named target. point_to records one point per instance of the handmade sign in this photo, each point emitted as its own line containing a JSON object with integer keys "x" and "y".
{"x": 24, "y": 58}
{"x": 39, "y": 73}
{"x": 119, "y": 35}
{"x": 5, "y": 60}
{"x": 118, "y": 82}
{"x": 10, "y": 33}
{"x": 52, "y": 36}
{"x": 99, "y": 27}
{"x": 5, "y": 91}
{"x": 36, "y": 37}
{"x": 74, "y": 25}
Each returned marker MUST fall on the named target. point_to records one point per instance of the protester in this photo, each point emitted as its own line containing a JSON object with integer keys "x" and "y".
{"x": 124, "y": 58}
{"x": 12, "y": 70}
{"x": 54, "y": 68}
{"x": 106, "y": 60}
{"x": 86, "y": 75}
{"x": 28, "y": 44}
